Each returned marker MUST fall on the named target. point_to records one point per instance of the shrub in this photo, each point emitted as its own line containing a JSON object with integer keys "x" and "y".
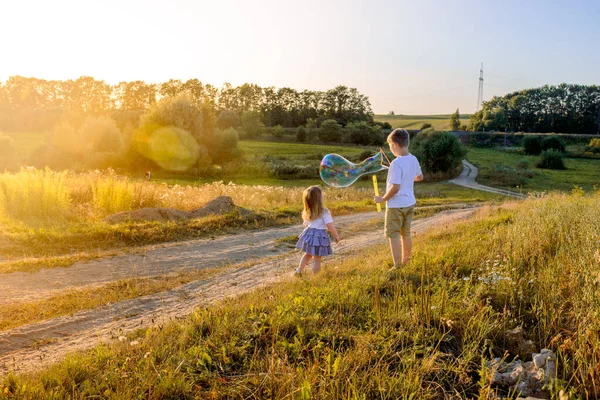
{"x": 102, "y": 133}
{"x": 225, "y": 146}
{"x": 252, "y": 124}
{"x": 593, "y": 147}
{"x": 553, "y": 142}
{"x": 228, "y": 119}
{"x": 480, "y": 140}
{"x": 532, "y": 145}
{"x": 283, "y": 170}
{"x": 438, "y": 152}
{"x": 426, "y": 125}
{"x": 383, "y": 124}
{"x": 301, "y": 134}
{"x": 362, "y": 133}
{"x": 278, "y": 131}
{"x": 523, "y": 164}
{"x": 330, "y": 131}
{"x": 551, "y": 159}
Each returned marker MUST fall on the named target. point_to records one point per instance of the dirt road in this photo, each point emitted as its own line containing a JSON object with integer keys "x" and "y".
{"x": 467, "y": 179}
{"x": 37, "y": 345}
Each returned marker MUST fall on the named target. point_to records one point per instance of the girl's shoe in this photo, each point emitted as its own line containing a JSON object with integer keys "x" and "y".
{"x": 298, "y": 273}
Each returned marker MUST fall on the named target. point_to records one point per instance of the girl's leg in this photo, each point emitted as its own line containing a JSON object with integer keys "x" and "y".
{"x": 316, "y": 265}
{"x": 303, "y": 262}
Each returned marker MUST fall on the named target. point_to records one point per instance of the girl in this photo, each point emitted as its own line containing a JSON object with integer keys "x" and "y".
{"x": 314, "y": 241}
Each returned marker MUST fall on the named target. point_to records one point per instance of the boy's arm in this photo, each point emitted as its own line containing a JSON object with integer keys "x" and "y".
{"x": 419, "y": 178}
{"x": 331, "y": 228}
{"x": 388, "y": 195}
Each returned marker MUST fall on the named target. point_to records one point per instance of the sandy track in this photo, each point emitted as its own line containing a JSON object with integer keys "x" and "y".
{"x": 156, "y": 261}
{"x": 467, "y": 179}
{"x": 38, "y": 345}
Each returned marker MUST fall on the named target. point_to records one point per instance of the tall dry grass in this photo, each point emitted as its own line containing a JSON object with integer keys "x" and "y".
{"x": 31, "y": 194}
{"x": 93, "y": 195}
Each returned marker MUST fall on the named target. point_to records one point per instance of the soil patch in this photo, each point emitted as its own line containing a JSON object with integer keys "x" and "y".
{"x": 219, "y": 206}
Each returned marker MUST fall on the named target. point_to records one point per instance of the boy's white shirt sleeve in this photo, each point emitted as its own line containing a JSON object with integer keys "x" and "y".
{"x": 327, "y": 218}
{"x": 419, "y": 172}
{"x": 395, "y": 174}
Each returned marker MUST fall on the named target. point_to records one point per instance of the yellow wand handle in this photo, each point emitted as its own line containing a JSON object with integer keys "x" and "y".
{"x": 376, "y": 187}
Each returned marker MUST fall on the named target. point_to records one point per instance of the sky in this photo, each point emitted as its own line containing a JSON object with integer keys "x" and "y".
{"x": 410, "y": 57}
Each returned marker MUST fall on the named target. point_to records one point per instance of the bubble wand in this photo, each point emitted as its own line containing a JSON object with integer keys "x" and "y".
{"x": 376, "y": 187}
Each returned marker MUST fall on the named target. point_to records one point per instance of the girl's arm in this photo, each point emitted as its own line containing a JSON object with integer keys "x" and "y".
{"x": 331, "y": 228}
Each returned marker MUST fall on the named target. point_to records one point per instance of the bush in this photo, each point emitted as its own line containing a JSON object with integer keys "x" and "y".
{"x": 362, "y": 133}
{"x": 252, "y": 124}
{"x": 426, "y": 125}
{"x": 383, "y": 124}
{"x": 523, "y": 164}
{"x": 553, "y": 142}
{"x": 438, "y": 152}
{"x": 225, "y": 146}
{"x": 228, "y": 119}
{"x": 278, "y": 131}
{"x": 283, "y": 170}
{"x": 532, "y": 145}
{"x": 301, "y": 134}
{"x": 593, "y": 147}
{"x": 330, "y": 131}
{"x": 551, "y": 159}
{"x": 481, "y": 140}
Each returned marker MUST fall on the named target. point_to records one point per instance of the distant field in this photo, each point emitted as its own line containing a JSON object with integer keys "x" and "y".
{"x": 580, "y": 172}
{"x": 438, "y": 121}
{"x": 25, "y": 143}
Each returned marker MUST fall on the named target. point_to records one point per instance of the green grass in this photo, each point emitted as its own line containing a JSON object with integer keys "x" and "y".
{"x": 439, "y": 121}
{"x": 26, "y": 143}
{"x": 584, "y": 173}
{"x": 352, "y": 333}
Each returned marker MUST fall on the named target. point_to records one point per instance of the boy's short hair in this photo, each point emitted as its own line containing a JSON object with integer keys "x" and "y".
{"x": 400, "y": 137}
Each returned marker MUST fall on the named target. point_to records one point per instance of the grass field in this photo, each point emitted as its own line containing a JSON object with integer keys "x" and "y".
{"x": 584, "y": 173}
{"x": 439, "y": 121}
{"x": 25, "y": 143}
{"x": 352, "y": 333}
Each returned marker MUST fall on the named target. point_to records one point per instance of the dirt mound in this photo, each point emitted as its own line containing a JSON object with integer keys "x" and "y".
{"x": 148, "y": 214}
{"x": 218, "y": 206}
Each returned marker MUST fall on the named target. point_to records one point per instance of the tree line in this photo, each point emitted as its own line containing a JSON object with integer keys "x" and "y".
{"x": 564, "y": 108}
{"x": 277, "y": 106}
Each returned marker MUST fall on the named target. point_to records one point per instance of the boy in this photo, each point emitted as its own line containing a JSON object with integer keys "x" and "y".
{"x": 400, "y": 196}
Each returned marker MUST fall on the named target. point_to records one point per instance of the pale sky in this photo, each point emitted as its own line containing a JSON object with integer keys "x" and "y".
{"x": 412, "y": 57}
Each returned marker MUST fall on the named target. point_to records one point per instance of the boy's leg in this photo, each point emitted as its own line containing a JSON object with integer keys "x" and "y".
{"x": 396, "y": 249}
{"x": 405, "y": 232}
{"x": 316, "y": 265}
{"x": 393, "y": 225}
{"x": 406, "y": 249}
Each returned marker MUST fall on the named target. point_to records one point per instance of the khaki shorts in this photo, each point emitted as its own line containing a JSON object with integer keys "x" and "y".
{"x": 397, "y": 221}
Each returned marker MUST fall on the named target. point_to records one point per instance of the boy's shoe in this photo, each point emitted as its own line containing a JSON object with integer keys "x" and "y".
{"x": 298, "y": 273}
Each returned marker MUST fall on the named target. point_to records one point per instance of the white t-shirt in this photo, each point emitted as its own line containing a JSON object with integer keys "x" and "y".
{"x": 321, "y": 222}
{"x": 403, "y": 171}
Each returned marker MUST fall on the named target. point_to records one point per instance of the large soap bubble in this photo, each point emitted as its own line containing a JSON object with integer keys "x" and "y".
{"x": 338, "y": 172}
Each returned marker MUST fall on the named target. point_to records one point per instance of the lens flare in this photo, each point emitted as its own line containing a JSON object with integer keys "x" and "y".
{"x": 171, "y": 148}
